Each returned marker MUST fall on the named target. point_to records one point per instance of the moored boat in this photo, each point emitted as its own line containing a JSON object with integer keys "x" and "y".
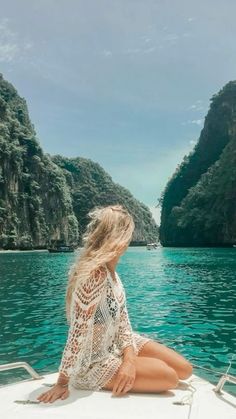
{"x": 152, "y": 246}
{"x": 61, "y": 249}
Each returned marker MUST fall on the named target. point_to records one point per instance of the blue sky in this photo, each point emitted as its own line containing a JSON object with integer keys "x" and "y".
{"x": 124, "y": 83}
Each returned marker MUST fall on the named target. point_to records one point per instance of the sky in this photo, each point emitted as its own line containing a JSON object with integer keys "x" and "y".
{"x": 125, "y": 83}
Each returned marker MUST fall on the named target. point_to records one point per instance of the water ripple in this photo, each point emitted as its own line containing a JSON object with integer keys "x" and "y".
{"x": 184, "y": 298}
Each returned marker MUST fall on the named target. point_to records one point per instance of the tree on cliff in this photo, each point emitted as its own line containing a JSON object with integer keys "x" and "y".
{"x": 199, "y": 201}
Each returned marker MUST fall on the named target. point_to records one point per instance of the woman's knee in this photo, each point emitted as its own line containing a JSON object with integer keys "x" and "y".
{"x": 185, "y": 371}
{"x": 157, "y": 371}
{"x": 152, "y": 375}
{"x": 175, "y": 360}
{"x": 167, "y": 373}
{"x": 172, "y": 377}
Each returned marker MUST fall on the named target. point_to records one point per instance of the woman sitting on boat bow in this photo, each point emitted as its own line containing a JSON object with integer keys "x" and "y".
{"x": 102, "y": 350}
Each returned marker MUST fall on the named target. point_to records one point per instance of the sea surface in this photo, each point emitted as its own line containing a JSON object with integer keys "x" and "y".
{"x": 184, "y": 298}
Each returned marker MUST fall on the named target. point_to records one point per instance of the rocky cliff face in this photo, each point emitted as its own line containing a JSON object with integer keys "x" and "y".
{"x": 44, "y": 200}
{"x": 35, "y": 203}
{"x": 199, "y": 201}
{"x": 91, "y": 186}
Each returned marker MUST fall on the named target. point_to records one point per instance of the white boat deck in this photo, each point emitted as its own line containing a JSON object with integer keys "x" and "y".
{"x": 83, "y": 404}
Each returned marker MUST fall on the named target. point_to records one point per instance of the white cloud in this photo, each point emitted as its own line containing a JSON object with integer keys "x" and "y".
{"x": 107, "y": 53}
{"x": 147, "y": 44}
{"x": 151, "y": 49}
{"x": 28, "y": 45}
{"x": 12, "y": 47}
{"x": 194, "y": 121}
{"x": 8, "y": 52}
{"x": 4, "y": 27}
{"x": 197, "y": 106}
{"x": 171, "y": 37}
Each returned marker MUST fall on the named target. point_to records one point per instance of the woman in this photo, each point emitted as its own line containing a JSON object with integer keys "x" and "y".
{"x": 102, "y": 350}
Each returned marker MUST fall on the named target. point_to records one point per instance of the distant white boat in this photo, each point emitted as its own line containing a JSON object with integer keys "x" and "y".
{"x": 61, "y": 249}
{"x": 194, "y": 398}
{"x": 153, "y": 246}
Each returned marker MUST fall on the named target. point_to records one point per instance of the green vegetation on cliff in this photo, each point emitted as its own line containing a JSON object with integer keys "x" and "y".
{"x": 35, "y": 203}
{"x": 92, "y": 186}
{"x": 44, "y": 200}
{"x": 199, "y": 201}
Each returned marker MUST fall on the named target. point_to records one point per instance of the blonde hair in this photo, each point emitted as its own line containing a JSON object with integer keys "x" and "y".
{"x": 109, "y": 230}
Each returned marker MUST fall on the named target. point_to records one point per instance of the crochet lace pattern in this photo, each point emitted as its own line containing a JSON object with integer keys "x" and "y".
{"x": 99, "y": 331}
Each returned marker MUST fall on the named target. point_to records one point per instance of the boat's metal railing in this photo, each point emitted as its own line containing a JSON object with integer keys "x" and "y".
{"x": 13, "y": 365}
{"x": 222, "y": 381}
{"x": 224, "y": 377}
{"x": 21, "y": 364}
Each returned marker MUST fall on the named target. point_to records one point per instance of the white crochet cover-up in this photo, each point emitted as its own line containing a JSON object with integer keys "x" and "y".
{"x": 99, "y": 331}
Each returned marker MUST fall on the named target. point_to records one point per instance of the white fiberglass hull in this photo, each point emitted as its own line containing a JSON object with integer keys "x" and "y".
{"x": 83, "y": 404}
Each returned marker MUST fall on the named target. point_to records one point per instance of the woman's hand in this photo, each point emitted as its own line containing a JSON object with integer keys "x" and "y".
{"x": 56, "y": 392}
{"x": 125, "y": 378}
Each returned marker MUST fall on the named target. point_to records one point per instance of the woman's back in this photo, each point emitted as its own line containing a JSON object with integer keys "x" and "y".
{"x": 99, "y": 331}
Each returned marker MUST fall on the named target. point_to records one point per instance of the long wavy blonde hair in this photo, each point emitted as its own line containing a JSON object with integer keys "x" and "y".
{"x": 110, "y": 229}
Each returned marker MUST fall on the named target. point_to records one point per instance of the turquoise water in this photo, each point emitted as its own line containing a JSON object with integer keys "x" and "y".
{"x": 184, "y": 298}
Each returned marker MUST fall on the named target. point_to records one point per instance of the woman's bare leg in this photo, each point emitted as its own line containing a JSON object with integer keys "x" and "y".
{"x": 152, "y": 376}
{"x": 157, "y": 350}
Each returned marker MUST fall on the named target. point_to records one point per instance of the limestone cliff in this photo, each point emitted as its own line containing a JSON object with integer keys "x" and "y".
{"x": 35, "y": 203}
{"x": 199, "y": 201}
{"x": 92, "y": 186}
{"x": 44, "y": 200}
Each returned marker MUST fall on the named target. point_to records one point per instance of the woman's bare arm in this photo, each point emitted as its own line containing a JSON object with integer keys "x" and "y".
{"x": 62, "y": 379}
